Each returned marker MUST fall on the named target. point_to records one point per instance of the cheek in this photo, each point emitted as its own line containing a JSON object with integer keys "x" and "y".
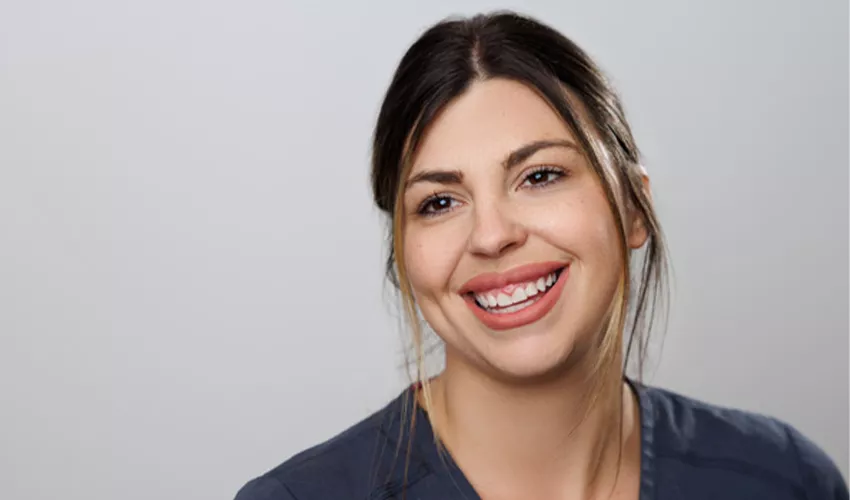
{"x": 580, "y": 223}
{"x": 432, "y": 253}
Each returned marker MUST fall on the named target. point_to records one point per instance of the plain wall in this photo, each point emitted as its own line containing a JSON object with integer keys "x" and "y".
{"x": 191, "y": 268}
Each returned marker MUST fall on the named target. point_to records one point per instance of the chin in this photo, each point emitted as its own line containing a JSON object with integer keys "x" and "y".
{"x": 533, "y": 353}
{"x": 531, "y": 359}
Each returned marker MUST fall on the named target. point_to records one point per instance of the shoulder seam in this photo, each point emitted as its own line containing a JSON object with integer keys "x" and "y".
{"x": 738, "y": 466}
{"x": 285, "y": 488}
{"x": 796, "y": 451}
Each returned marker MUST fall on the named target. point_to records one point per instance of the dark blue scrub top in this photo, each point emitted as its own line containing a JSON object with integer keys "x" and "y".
{"x": 690, "y": 450}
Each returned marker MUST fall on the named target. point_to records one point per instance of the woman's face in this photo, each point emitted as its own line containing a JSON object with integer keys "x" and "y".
{"x": 510, "y": 245}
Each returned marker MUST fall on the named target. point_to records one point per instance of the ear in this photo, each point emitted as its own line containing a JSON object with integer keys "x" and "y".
{"x": 637, "y": 230}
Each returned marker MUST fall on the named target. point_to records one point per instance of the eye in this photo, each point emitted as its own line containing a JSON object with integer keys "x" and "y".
{"x": 543, "y": 176}
{"x": 436, "y": 205}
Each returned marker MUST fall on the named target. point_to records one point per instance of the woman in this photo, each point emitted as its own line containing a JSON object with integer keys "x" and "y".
{"x": 518, "y": 206}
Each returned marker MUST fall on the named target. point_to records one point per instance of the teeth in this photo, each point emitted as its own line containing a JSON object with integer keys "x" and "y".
{"x": 541, "y": 284}
{"x": 513, "y": 308}
{"x": 519, "y": 299}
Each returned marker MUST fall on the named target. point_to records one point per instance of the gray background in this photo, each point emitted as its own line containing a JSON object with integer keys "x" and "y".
{"x": 190, "y": 267}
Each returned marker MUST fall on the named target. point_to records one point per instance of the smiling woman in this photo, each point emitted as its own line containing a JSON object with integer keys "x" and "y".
{"x": 518, "y": 203}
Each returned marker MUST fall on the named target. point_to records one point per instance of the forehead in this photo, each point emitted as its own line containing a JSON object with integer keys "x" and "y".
{"x": 491, "y": 119}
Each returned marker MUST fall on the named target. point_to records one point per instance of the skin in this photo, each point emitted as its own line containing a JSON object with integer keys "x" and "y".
{"x": 508, "y": 400}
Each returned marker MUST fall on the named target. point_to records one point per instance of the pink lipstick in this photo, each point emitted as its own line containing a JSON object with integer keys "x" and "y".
{"x": 517, "y": 297}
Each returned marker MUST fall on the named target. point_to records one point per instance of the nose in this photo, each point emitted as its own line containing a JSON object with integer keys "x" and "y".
{"x": 495, "y": 230}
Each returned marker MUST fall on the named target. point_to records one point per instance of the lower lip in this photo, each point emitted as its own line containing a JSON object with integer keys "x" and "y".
{"x": 530, "y": 314}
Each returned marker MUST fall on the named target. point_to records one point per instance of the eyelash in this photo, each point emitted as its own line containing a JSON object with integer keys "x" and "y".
{"x": 559, "y": 172}
{"x": 422, "y": 210}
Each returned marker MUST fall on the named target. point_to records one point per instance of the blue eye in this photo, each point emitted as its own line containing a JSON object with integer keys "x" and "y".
{"x": 543, "y": 177}
{"x": 437, "y": 205}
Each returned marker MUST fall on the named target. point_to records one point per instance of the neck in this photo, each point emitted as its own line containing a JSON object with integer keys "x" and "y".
{"x": 538, "y": 440}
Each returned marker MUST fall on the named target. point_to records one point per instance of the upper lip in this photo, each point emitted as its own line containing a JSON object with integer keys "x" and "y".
{"x": 491, "y": 281}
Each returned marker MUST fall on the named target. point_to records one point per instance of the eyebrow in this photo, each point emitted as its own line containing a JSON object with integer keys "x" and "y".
{"x": 513, "y": 159}
{"x": 523, "y": 153}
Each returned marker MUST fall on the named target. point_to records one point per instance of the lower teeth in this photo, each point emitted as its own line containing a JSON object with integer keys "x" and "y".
{"x": 514, "y": 307}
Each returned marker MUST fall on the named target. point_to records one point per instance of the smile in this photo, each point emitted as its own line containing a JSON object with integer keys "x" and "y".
{"x": 518, "y": 297}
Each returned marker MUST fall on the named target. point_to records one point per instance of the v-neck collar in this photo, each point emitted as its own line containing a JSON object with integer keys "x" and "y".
{"x": 436, "y": 475}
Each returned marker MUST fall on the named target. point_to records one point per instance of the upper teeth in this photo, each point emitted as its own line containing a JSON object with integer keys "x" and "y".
{"x": 521, "y": 292}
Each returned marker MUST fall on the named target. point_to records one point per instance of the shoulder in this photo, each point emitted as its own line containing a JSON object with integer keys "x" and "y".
{"x": 755, "y": 452}
{"x": 264, "y": 488}
{"x": 351, "y": 464}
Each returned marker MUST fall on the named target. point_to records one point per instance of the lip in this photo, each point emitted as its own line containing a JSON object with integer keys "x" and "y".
{"x": 530, "y": 314}
{"x": 489, "y": 281}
